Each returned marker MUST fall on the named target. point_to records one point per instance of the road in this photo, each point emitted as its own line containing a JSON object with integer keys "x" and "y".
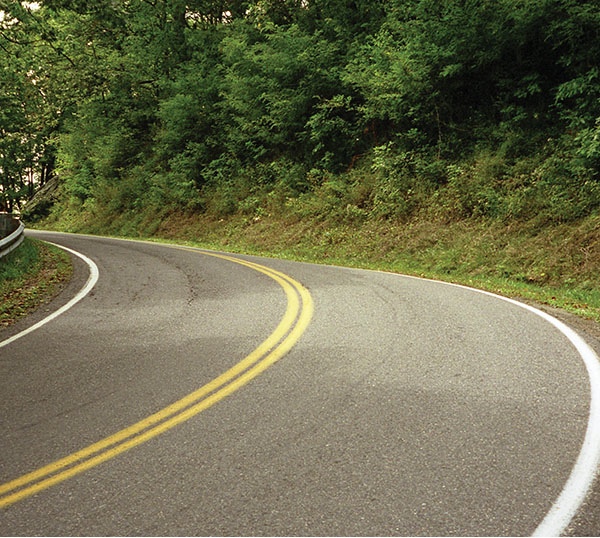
{"x": 379, "y": 404}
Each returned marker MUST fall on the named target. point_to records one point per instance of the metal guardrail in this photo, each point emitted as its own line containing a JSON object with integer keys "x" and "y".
{"x": 11, "y": 234}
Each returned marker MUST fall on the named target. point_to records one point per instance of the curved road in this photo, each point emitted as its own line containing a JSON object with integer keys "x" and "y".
{"x": 380, "y": 404}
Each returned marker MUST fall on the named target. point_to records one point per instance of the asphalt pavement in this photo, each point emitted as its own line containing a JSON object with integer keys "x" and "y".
{"x": 190, "y": 393}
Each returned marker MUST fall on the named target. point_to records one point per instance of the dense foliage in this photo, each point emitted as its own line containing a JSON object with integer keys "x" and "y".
{"x": 487, "y": 107}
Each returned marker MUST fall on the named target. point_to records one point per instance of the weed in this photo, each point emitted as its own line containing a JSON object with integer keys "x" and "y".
{"x": 31, "y": 275}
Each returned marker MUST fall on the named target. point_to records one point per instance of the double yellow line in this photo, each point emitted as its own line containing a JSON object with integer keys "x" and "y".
{"x": 293, "y": 324}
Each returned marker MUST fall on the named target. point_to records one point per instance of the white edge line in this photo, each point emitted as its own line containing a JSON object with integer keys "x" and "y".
{"x": 91, "y": 282}
{"x": 586, "y": 466}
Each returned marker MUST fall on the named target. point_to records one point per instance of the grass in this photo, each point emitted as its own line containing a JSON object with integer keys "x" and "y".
{"x": 556, "y": 265}
{"x": 31, "y": 276}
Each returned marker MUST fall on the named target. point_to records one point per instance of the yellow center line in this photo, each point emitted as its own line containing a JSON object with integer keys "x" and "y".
{"x": 293, "y": 324}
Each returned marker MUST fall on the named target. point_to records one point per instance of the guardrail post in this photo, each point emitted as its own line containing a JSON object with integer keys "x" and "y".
{"x": 11, "y": 233}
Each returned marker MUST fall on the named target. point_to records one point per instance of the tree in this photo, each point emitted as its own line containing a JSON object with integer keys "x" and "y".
{"x": 28, "y": 111}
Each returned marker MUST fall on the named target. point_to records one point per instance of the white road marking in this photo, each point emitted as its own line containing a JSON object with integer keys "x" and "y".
{"x": 91, "y": 282}
{"x": 586, "y": 467}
